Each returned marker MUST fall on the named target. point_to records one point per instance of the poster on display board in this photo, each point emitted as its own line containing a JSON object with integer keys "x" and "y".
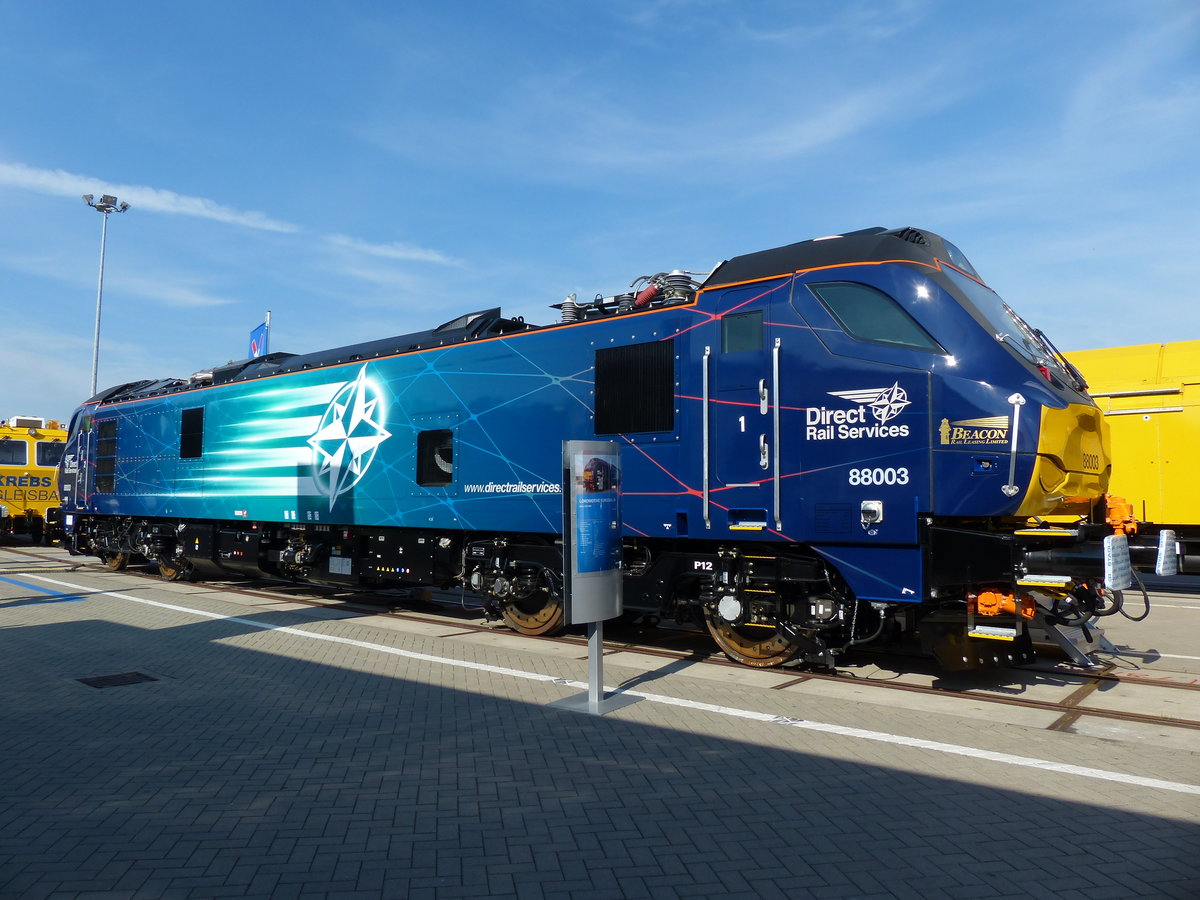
{"x": 592, "y": 530}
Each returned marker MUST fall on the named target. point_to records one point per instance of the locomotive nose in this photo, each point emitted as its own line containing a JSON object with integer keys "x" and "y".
{"x": 1073, "y": 465}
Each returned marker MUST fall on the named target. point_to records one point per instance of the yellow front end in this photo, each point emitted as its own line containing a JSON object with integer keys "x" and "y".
{"x": 1073, "y": 465}
{"x": 29, "y": 452}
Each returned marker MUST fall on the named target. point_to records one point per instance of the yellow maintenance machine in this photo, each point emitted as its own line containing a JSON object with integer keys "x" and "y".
{"x": 30, "y": 449}
{"x": 1150, "y": 396}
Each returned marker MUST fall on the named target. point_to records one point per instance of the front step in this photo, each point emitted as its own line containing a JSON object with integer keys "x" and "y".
{"x": 959, "y": 646}
{"x": 1076, "y": 641}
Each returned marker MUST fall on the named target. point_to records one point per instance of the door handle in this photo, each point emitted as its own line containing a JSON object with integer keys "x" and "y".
{"x": 762, "y": 396}
{"x": 764, "y": 453}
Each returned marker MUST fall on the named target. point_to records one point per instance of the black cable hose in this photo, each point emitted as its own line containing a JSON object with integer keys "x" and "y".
{"x": 1116, "y": 606}
{"x": 1145, "y": 600}
{"x": 878, "y": 631}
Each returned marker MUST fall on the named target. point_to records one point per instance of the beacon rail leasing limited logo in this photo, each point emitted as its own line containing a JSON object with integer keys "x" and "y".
{"x": 825, "y": 424}
{"x": 350, "y": 432}
{"x": 985, "y": 430}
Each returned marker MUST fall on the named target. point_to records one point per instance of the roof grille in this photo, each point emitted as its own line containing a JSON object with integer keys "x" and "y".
{"x": 911, "y": 235}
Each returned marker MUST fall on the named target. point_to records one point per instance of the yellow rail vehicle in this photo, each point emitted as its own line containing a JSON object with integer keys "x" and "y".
{"x": 1150, "y": 397}
{"x": 30, "y": 449}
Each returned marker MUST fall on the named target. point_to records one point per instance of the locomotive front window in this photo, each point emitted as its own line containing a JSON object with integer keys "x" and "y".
{"x": 49, "y": 452}
{"x": 959, "y": 259}
{"x": 871, "y": 315}
{"x": 13, "y": 453}
{"x": 1009, "y": 328}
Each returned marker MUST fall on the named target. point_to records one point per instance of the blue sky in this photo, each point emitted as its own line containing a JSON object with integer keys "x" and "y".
{"x": 364, "y": 169}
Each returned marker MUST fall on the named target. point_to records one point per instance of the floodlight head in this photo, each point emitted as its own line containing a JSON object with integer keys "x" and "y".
{"x": 124, "y": 206}
{"x": 108, "y": 200}
{"x": 87, "y": 198}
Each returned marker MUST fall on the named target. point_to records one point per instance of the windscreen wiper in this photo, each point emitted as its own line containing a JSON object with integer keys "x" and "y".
{"x": 1076, "y": 376}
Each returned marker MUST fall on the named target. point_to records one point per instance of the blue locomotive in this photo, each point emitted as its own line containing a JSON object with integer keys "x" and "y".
{"x": 825, "y": 443}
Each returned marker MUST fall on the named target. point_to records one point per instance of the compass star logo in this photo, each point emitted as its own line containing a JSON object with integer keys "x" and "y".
{"x": 350, "y": 432}
{"x": 885, "y": 403}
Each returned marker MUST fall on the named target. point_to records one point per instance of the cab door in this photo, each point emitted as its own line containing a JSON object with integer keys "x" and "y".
{"x": 744, "y": 433}
{"x": 76, "y": 469}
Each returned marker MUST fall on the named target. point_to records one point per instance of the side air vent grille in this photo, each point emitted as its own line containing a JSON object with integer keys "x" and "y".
{"x": 635, "y": 388}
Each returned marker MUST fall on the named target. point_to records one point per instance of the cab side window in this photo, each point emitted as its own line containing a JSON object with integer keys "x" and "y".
{"x": 868, "y": 314}
{"x": 742, "y": 331}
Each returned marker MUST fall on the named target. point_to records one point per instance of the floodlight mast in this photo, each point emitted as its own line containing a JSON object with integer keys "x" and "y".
{"x": 105, "y": 205}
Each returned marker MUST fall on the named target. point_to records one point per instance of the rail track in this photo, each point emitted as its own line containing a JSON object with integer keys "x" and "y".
{"x": 882, "y": 670}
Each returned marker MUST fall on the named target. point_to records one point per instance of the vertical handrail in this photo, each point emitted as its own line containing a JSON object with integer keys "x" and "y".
{"x": 704, "y": 431}
{"x": 1011, "y": 489}
{"x": 775, "y": 426}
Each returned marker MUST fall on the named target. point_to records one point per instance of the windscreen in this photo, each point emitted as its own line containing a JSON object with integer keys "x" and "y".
{"x": 49, "y": 453}
{"x": 13, "y": 452}
{"x": 1009, "y": 328}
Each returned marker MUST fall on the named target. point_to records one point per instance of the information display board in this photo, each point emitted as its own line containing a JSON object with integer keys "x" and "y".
{"x": 592, "y": 530}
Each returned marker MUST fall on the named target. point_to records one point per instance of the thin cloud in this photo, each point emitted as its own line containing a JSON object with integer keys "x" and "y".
{"x": 66, "y": 184}
{"x": 392, "y": 251}
{"x": 174, "y": 295}
{"x": 57, "y": 182}
{"x": 1122, "y": 116}
{"x": 1142, "y": 95}
{"x": 566, "y": 128}
{"x": 201, "y": 208}
{"x": 874, "y": 21}
{"x": 166, "y": 290}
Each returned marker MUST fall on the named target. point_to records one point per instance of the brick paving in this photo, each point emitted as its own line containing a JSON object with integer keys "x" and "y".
{"x": 261, "y": 764}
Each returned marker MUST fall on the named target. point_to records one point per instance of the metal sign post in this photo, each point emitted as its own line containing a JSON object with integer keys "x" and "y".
{"x": 592, "y": 558}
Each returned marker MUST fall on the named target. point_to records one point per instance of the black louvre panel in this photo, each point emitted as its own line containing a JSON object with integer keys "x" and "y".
{"x": 635, "y": 388}
{"x": 191, "y": 433}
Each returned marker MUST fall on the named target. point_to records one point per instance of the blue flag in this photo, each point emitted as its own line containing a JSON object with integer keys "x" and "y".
{"x": 259, "y": 339}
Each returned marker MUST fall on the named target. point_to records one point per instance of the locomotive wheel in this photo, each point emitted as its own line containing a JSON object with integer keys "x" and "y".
{"x": 173, "y": 571}
{"x": 543, "y": 613}
{"x": 753, "y": 645}
{"x": 115, "y": 562}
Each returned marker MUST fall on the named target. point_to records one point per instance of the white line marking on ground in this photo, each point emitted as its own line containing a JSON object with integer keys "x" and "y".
{"x": 1006, "y": 759}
